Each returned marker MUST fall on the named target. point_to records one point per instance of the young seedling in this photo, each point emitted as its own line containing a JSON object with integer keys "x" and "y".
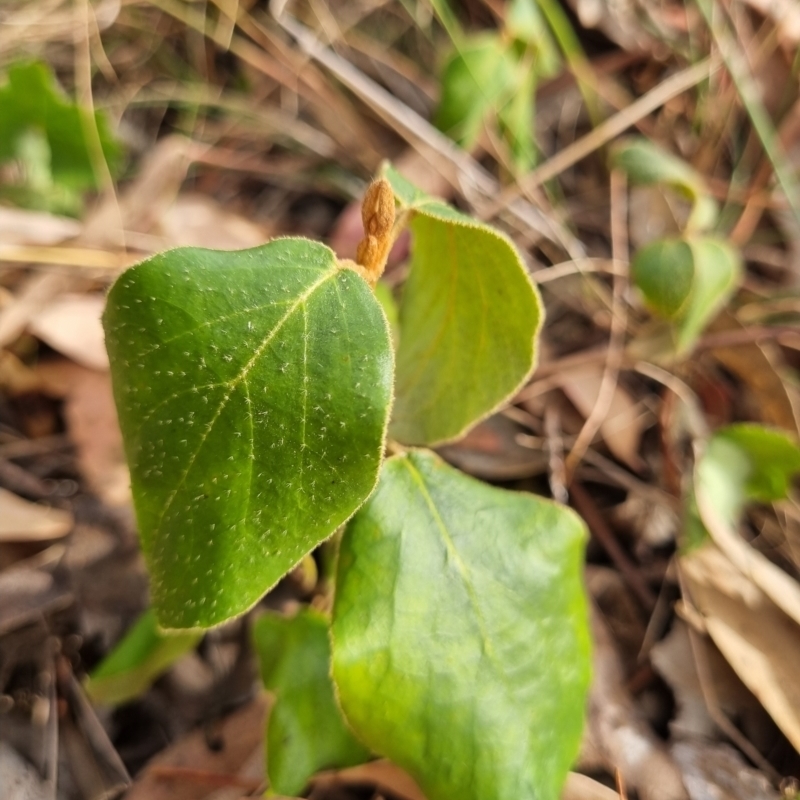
{"x": 255, "y": 392}
{"x": 47, "y": 137}
{"x": 687, "y": 279}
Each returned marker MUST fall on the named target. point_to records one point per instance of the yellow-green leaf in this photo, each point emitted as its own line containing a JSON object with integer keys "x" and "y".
{"x": 469, "y": 319}
{"x": 460, "y": 634}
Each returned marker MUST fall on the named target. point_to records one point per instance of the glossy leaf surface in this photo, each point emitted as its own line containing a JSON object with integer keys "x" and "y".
{"x": 253, "y": 391}
{"x": 460, "y": 635}
{"x": 142, "y": 655}
{"x": 305, "y": 732}
{"x": 469, "y": 317}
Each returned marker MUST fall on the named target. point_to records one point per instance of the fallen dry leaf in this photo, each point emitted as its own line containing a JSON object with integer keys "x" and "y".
{"x": 71, "y": 325}
{"x": 757, "y": 638}
{"x": 624, "y": 424}
{"x": 786, "y": 15}
{"x": 384, "y": 775}
{"x": 19, "y": 777}
{"x": 16, "y": 377}
{"x": 38, "y": 289}
{"x": 617, "y": 736}
{"x": 778, "y": 585}
{"x": 674, "y": 659}
{"x": 92, "y": 425}
{"x": 22, "y": 521}
{"x": 145, "y": 199}
{"x": 19, "y": 226}
{"x": 582, "y": 787}
{"x": 28, "y": 593}
{"x": 195, "y": 220}
{"x": 240, "y": 734}
{"x": 754, "y": 365}
{"x": 388, "y": 778}
{"x": 491, "y": 451}
{"x": 718, "y": 772}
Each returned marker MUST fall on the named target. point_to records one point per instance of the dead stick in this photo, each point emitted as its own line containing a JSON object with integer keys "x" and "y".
{"x": 600, "y": 529}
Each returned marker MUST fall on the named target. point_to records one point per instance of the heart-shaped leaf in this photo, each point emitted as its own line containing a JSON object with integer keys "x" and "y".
{"x": 460, "y": 634}
{"x": 469, "y": 318}
{"x": 253, "y": 390}
{"x": 305, "y": 732}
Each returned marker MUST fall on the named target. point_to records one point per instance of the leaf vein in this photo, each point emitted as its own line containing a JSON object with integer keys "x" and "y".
{"x": 461, "y": 567}
{"x": 211, "y": 322}
{"x": 300, "y": 301}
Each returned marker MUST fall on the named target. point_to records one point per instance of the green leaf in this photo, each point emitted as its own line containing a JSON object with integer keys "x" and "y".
{"x": 478, "y": 77}
{"x": 406, "y": 194}
{"x": 34, "y": 187}
{"x": 755, "y": 462}
{"x": 32, "y": 101}
{"x": 460, "y": 633}
{"x": 664, "y": 272}
{"x": 687, "y": 281}
{"x": 516, "y": 121}
{"x": 469, "y": 318}
{"x": 133, "y": 665}
{"x": 742, "y": 463}
{"x": 718, "y": 271}
{"x": 383, "y": 293}
{"x": 305, "y": 732}
{"x": 647, "y": 163}
{"x": 253, "y": 390}
{"x": 524, "y": 21}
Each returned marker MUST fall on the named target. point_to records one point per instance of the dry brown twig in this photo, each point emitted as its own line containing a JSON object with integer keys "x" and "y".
{"x": 619, "y": 324}
{"x": 601, "y": 135}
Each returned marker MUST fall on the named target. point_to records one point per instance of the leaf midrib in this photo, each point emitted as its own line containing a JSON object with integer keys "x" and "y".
{"x": 461, "y": 567}
{"x": 234, "y": 383}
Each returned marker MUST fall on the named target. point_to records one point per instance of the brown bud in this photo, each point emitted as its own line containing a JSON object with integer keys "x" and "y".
{"x": 377, "y": 208}
{"x": 377, "y": 213}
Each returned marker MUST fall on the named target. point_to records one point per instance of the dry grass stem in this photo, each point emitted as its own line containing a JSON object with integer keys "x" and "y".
{"x": 619, "y": 323}
{"x": 601, "y": 135}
